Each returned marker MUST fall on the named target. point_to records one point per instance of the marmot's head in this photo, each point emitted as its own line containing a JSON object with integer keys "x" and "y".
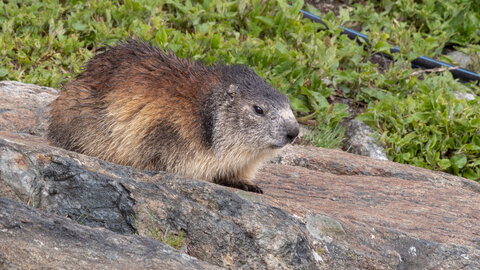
{"x": 251, "y": 113}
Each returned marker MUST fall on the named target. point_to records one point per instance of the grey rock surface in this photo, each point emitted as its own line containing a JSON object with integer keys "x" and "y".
{"x": 219, "y": 226}
{"x": 322, "y": 208}
{"x": 358, "y": 140}
{"x": 33, "y": 239}
{"x": 463, "y": 60}
{"x": 24, "y": 107}
{"x": 372, "y": 214}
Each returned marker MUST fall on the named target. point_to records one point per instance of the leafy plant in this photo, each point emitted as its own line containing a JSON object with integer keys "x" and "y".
{"x": 423, "y": 27}
{"x": 457, "y": 20}
{"x": 324, "y": 136}
{"x": 430, "y": 129}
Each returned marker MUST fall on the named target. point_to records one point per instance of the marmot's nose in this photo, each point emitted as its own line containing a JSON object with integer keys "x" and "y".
{"x": 292, "y": 131}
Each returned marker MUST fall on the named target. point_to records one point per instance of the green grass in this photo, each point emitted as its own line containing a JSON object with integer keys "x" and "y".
{"x": 172, "y": 239}
{"x": 324, "y": 136}
{"x": 48, "y": 42}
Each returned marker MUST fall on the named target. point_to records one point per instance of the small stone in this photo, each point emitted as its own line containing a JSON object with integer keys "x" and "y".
{"x": 358, "y": 140}
{"x": 460, "y": 95}
{"x": 412, "y": 251}
{"x": 327, "y": 82}
{"x": 461, "y": 58}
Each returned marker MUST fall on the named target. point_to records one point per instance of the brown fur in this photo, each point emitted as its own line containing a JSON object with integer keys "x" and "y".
{"x": 135, "y": 105}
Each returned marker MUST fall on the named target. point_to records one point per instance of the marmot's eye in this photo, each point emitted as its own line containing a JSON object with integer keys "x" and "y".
{"x": 258, "y": 110}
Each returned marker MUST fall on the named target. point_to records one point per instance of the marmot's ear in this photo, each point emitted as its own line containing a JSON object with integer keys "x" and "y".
{"x": 232, "y": 91}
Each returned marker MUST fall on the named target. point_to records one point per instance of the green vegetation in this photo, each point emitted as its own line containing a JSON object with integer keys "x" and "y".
{"x": 430, "y": 129}
{"x": 425, "y": 27}
{"x": 174, "y": 240}
{"x": 326, "y": 137}
{"x": 421, "y": 123}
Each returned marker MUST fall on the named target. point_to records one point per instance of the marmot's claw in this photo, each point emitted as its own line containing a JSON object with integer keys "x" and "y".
{"x": 252, "y": 188}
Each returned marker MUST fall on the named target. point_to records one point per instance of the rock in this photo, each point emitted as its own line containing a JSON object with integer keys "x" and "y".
{"x": 358, "y": 140}
{"x": 321, "y": 227}
{"x": 322, "y": 209}
{"x": 24, "y": 107}
{"x": 460, "y": 95}
{"x": 219, "y": 226}
{"x": 31, "y": 238}
{"x": 368, "y": 213}
{"x": 463, "y": 60}
{"x": 327, "y": 82}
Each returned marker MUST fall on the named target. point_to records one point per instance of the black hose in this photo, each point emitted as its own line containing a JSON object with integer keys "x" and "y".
{"x": 421, "y": 62}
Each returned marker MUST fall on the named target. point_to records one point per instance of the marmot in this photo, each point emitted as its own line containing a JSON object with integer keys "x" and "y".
{"x": 136, "y": 105}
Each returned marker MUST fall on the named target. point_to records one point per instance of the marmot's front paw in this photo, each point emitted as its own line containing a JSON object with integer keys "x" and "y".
{"x": 252, "y": 188}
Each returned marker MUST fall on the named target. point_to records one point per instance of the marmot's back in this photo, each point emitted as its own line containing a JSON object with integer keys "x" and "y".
{"x": 136, "y": 105}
